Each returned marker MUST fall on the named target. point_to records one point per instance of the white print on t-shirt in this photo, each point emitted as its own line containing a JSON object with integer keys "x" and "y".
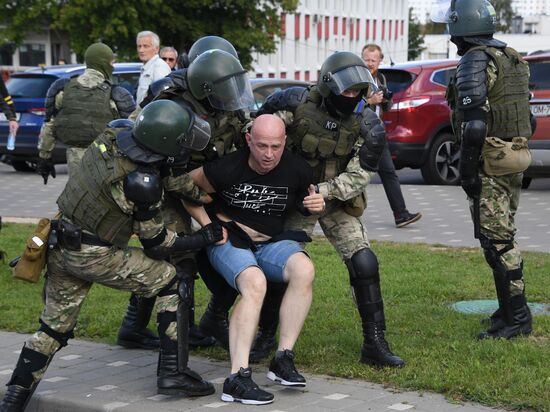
{"x": 269, "y": 200}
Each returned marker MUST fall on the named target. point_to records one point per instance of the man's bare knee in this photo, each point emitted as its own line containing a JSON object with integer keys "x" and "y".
{"x": 299, "y": 268}
{"x": 252, "y": 283}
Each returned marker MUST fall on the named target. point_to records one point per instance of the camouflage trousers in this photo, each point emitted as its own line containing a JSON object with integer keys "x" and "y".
{"x": 499, "y": 201}
{"x": 71, "y": 274}
{"x": 345, "y": 232}
{"x": 74, "y": 157}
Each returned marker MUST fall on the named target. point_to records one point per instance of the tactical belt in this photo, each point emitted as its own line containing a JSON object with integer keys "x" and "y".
{"x": 89, "y": 239}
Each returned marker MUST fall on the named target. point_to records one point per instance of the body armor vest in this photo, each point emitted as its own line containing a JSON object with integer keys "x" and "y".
{"x": 509, "y": 116}
{"x": 84, "y": 113}
{"x": 325, "y": 141}
{"x": 87, "y": 199}
{"x": 225, "y": 128}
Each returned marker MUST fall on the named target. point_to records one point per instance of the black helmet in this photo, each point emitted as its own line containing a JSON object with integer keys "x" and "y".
{"x": 219, "y": 77}
{"x": 465, "y": 17}
{"x": 209, "y": 43}
{"x": 166, "y": 128}
{"x": 342, "y": 71}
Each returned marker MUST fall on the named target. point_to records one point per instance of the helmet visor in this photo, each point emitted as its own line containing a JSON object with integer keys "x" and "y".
{"x": 441, "y": 11}
{"x": 231, "y": 93}
{"x": 198, "y": 135}
{"x": 352, "y": 77}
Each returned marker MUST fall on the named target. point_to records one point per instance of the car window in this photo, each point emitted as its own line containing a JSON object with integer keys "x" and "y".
{"x": 29, "y": 86}
{"x": 261, "y": 93}
{"x": 540, "y": 75}
{"x": 127, "y": 80}
{"x": 398, "y": 80}
{"x": 443, "y": 77}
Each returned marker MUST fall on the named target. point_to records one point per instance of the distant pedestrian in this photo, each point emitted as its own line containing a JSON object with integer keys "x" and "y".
{"x": 170, "y": 56}
{"x": 154, "y": 68}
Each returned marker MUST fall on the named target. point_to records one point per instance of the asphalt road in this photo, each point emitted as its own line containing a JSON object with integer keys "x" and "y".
{"x": 445, "y": 216}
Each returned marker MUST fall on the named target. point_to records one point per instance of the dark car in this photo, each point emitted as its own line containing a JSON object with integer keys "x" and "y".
{"x": 29, "y": 88}
{"x": 418, "y": 125}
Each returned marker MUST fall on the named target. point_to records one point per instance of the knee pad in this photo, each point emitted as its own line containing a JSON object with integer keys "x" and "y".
{"x": 492, "y": 254}
{"x": 363, "y": 268}
{"x": 170, "y": 288}
{"x": 60, "y": 337}
{"x": 30, "y": 361}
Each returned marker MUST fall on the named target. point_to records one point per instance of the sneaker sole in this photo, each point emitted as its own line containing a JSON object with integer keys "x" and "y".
{"x": 408, "y": 222}
{"x": 229, "y": 398}
{"x": 275, "y": 378}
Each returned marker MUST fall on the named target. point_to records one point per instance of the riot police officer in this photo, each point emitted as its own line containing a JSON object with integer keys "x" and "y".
{"x": 79, "y": 108}
{"x": 117, "y": 191}
{"x": 343, "y": 148}
{"x": 489, "y": 98}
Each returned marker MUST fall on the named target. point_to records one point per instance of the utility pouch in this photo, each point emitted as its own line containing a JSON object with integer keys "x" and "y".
{"x": 69, "y": 235}
{"x": 502, "y": 158}
{"x": 356, "y": 205}
{"x": 33, "y": 259}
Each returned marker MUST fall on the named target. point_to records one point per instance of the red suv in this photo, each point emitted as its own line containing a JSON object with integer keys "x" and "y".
{"x": 418, "y": 125}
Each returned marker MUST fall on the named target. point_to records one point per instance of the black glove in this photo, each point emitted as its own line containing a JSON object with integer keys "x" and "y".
{"x": 212, "y": 233}
{"x": 471, "y": 186}
{"x": 45, "y": 168}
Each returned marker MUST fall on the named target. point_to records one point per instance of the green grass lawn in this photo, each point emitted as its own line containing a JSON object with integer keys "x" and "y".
{"x": 418, "y": 282}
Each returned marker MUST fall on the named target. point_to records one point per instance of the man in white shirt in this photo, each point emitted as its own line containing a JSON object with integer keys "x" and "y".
{"x": 154, "y": 68}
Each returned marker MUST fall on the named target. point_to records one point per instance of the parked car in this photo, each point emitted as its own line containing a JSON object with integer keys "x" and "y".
{"x": 418, "y": 125}
{"x": 29, "y": 88}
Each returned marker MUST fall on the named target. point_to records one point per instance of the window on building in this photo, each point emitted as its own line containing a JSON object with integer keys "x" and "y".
{"x": 6, "y": 52}
{"x": 335, "y": 26}
{"x": 259, "y": 75}
{"x": 374, "y": 30}
{"x": 319, "y": 28}
{"x": 306, "y": 75}
{"x": 389, "y": 29}
{"x": 32, "y": 54}
{"x": 327, "y": 27}
{"x": 283, "y": 75}
{"x": 357, "y": 28}
{"x": 297, "y": 75}
{"x": 396, "y": 29}
{"x": 383, "y": 34}
{"x": 297, "y": 26}
{"x": 344, "y": 24}
{"x": 351, "y": 29}
{"x": 307, "y": 26}
{"x": 283, "y": 24}
{"x": 402, "y": 27}
{"x": 367, "y": 27}
{"x": 271, "y": 75}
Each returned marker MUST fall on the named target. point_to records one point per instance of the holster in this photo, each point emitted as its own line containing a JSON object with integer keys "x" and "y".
{"x": 356, "y": 205}
{"x": 69, "y": 235}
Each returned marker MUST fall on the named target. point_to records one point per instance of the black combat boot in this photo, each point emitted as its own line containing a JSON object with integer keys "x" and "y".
{"x": 22, "y": 383}
{"x": 520, "y": 324}
{"x": 375, "y": 350}
{"x": 133, "y": 332}
{"x": 266, "y": 341}
{"x": 173, "y": 375}
{"x": 215, "y": 321}
{"x": 172, "y": 381}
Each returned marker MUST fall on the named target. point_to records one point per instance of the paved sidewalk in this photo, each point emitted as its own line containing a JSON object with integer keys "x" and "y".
{"x": 88, "y": 376}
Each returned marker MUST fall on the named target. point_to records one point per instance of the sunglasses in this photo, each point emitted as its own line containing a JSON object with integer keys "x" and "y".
{"x": 168, "y": 59}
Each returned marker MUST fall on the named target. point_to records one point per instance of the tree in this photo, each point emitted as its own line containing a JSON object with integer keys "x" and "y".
{"x": 504, "y": 11}
{"x": 251, "y": 25}
{"x": 416, "y": 38}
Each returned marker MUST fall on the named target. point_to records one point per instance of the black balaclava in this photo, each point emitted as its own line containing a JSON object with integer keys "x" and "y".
{"x": 99, "y": 57}
{"x": 342, "y": 105}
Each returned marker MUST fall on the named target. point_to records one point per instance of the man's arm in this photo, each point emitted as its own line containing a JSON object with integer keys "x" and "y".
{"x": 201, "y": 180}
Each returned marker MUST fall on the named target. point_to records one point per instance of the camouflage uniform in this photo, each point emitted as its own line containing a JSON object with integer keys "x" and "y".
{"x": 110, "y": 197}
{"x": 89, "y": 79}
{"x": 489, "y": 98}
{"x": 332, "y": 144}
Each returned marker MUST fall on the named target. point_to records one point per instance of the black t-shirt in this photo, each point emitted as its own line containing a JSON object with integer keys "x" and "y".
{"x": 260, "y": 202}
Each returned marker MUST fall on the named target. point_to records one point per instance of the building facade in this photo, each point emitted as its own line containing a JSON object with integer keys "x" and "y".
{"x": 318, "y": 28}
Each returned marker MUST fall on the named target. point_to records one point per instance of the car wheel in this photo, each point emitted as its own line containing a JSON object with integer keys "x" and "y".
{"x": 526, "y": 182}
{"x": 441, "y": 167}
{"x": 23, "y": 166}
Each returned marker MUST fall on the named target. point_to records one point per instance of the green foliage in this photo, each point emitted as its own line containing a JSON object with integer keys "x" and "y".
{"x": 504, "y": 11}
{"x": 416, "y": 38}
{"x": 252, "y": 26}
{"x": 419, "y": 282}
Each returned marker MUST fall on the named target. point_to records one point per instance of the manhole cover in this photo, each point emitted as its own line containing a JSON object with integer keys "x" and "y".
{"x": 486, "y": 307}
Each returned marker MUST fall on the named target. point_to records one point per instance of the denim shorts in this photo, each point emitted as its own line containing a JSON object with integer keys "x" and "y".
{"x": 271, "y": 258}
